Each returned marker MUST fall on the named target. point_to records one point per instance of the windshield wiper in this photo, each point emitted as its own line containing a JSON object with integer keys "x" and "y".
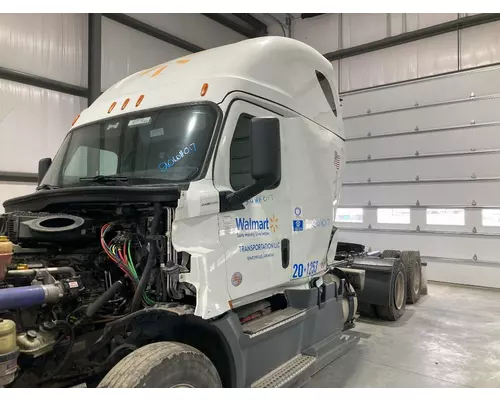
{"x": 47, "y": 187}
{"x": 105, "y": 178}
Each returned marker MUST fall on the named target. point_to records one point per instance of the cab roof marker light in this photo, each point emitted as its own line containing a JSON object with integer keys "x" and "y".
{"x": 139, "y": 100}
{"x": 159, "y": 71}
{"x": 183, "y": 61}
{"x": 76, "y": 119}
{"x": 111, "y": 106}
{"x": 204, "y": 89}
{"x": 125, "y": 103}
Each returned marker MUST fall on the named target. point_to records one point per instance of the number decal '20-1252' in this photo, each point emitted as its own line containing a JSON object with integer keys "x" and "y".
{"x": 310, "y": 269}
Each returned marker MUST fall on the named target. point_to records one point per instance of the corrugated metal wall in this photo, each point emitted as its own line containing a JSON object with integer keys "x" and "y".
{"x": 34, "y": 120}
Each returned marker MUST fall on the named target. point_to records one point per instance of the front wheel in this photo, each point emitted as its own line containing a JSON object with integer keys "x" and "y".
{"x": 163, "y": 365}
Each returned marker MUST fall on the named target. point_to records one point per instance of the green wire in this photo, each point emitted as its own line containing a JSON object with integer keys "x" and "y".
{"x": 145, "y": 297}
{"x": 130, "y": 263}
{"x": 133, "y": 271}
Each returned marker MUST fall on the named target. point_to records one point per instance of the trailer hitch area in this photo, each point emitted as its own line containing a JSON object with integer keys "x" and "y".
{"x": 356, "y": 277}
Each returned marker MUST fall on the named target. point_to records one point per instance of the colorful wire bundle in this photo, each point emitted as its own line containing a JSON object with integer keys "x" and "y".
{"x": 122, "y": 257}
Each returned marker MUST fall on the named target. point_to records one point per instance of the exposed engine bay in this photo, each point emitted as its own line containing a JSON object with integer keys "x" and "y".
{"x": 64, "y": 277}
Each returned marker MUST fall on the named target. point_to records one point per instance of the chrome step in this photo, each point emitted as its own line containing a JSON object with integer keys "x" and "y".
{"x": 285, "y": 373}
{"x": 271, "y": 321}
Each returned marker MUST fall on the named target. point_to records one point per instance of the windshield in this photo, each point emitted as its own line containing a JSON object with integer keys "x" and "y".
{"x": 168, "y": 145}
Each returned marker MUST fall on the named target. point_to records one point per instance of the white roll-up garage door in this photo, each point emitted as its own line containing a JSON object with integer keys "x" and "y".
{"x": 423, "y": 173}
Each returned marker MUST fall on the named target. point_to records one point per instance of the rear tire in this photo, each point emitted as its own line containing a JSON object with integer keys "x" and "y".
{"x": 367, "y": 310}
{"x": 397, "y": 300}
{"x": 412, "y": 262}
{"x": 163, "y": 365}
{"x": 391, "y": 254}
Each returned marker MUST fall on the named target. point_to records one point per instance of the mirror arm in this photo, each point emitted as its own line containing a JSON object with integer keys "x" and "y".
{"x": 231, "y": 201}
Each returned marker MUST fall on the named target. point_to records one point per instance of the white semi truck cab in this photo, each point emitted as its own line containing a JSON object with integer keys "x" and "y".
{"x": 254, "y": 132}
{"x": 185, "y": 231}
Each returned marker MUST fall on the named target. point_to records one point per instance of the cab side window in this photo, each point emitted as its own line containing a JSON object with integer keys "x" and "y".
{"x": 239, "y": 153}
{"x": 327, "y": 91}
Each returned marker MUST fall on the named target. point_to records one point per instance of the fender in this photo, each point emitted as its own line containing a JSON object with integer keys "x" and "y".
{"x": 175, "y": 322}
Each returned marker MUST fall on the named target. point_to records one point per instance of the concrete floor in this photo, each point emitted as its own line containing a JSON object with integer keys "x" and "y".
{"x": 451, "y": 338}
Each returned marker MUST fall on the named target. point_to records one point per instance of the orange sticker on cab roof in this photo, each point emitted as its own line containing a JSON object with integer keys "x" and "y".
{"x": 159, "y": 71}
{"x": 147, "y": 71}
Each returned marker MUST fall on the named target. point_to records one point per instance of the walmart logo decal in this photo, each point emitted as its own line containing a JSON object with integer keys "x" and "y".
{"x": 274, "y": 224}
{"x": 256, "y": 227}
{"x": 250, "y": 224}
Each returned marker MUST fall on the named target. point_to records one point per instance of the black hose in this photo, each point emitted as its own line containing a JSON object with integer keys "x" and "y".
{"x": 104, "y": 298}
{"x": 153, "y": 252}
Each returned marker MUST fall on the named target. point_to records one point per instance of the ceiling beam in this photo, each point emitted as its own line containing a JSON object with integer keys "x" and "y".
{"x": 228, "y": 23}
{"x": 407, "y": 37}
{"x": 305, "y": 16}
{"x": 254, "y": 22}
{"x": 41, "y": 82}
{"x": 25, "y": 177}
{"x": 152, "y": 31}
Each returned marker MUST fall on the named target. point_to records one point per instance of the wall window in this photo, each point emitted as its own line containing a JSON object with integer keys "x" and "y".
{"x": 393, "y": 215}
{"x": 491, "y": 217}
{"x": 240, "y": 174}
{"x": 349, "y": 215}
{"x": 443, "y": 216}
{"x": 327, "y": 91}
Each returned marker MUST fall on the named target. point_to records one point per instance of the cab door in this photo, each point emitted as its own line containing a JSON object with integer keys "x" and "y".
{"x": 256, "y": 237}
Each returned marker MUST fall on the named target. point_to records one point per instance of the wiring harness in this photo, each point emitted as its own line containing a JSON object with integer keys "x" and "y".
{"x": 119, "y": 251}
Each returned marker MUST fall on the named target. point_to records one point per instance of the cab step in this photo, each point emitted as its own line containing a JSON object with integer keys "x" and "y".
{"x": 286, "y": 373}
{"x": 272, "y": 321}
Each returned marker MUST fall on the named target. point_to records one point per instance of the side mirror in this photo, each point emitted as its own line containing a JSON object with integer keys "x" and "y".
{"x": 265, "y": 151}
{"x": 43, "y": 167}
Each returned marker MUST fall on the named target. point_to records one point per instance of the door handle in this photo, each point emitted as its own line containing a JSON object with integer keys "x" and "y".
{"x": 285, "y": 253}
